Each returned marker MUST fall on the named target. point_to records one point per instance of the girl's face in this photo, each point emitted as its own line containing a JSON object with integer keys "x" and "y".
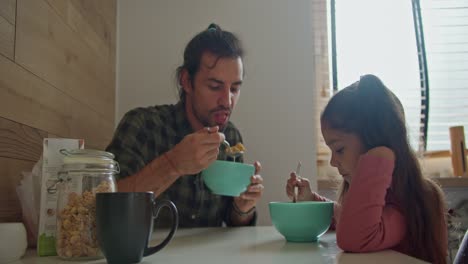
{"x": 346, "y": 148}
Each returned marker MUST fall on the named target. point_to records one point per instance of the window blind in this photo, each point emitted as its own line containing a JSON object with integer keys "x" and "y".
{"x": 445, "y": 31}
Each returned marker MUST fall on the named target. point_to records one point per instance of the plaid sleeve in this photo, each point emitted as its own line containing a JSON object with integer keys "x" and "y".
{"x": 128, "y": 143}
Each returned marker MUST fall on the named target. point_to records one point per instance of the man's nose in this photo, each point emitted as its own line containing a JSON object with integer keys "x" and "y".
{"x": 226, "y": 98}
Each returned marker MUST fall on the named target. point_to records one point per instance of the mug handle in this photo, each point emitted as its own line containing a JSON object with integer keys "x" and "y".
{"x": 175, "y": 223}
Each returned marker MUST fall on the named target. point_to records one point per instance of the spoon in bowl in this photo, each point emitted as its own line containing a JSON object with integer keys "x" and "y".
{"x": 298, "y": 170}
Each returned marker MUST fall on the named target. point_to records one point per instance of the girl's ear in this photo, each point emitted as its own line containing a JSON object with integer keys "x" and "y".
{"x": 186, "y": 82}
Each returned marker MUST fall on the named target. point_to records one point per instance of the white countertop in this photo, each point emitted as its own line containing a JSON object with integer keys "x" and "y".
{"x": 245, "y": 245}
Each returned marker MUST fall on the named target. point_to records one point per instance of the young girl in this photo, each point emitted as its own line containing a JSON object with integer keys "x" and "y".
{"x": 384, "y": 201}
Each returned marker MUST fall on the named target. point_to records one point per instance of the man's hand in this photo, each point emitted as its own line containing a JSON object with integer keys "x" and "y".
{"x": 248, "y": 199}
{"x": 196, "y": 151}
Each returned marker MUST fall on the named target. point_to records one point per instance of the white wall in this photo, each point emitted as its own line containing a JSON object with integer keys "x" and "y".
{"x": 276, "y": 109}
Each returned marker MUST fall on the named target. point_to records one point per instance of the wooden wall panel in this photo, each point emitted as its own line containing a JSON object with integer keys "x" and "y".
{"x": 93, "y": 21}
{"x": 20, "y": 149}
{"x": 31, "y": 101}
{"x": 8, "y": 10}
{"x": 101, "y": 15}
{"x": 7, "y": 28}
{"x": 18, "y": 141}
{"x": 47, "y": 47}
{"x": 10, "y": 177}
{"x": 57, "y": 79}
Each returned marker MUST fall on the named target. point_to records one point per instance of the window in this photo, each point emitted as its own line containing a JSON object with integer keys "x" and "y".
{"x": 419, "y": 48}
{"x": 445, "y": 32}
{"x": 421, "y": 54}
{"x": 371, "y": 39}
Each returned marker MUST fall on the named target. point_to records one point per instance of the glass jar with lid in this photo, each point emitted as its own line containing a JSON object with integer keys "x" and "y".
{"x": 84, "y": 173}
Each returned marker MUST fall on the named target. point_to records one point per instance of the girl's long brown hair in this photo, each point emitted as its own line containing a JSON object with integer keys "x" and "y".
{"x": 370, "y": 110}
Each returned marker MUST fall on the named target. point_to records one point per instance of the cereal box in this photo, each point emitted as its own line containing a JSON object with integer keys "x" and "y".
{"x": 52, "y": 162}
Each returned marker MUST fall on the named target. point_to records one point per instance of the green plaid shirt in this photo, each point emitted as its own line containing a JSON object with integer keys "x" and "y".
{"x": 144, "y": 134}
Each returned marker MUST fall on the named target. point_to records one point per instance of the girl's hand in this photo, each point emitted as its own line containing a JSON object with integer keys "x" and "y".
{"x": 303, "y": 185}
{"x": 383, "y": 152}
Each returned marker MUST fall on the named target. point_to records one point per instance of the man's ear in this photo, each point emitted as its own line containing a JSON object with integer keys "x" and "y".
{"x": 186, "y": 82}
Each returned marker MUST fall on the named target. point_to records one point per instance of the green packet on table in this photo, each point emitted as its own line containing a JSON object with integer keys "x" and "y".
{"x": 46, "y": 245}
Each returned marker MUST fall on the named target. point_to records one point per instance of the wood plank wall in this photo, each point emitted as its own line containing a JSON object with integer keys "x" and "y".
{"x": 57, "y": 79}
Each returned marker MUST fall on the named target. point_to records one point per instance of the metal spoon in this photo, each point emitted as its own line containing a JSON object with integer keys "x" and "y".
{"x": 298, "y": 170}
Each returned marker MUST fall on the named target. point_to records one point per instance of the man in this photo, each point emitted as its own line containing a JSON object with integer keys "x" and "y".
{"x": 164, "y": 148}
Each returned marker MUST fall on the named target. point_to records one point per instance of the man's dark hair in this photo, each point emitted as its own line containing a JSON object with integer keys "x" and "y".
{"x": 220, "y": 43}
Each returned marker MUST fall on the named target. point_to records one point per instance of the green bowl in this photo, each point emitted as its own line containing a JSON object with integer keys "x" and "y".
{"x": 301, "y": 221}
{"x": 228, "y": 178}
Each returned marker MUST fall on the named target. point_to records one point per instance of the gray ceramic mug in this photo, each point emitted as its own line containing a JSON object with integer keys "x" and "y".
{"x": 124, "y": 222}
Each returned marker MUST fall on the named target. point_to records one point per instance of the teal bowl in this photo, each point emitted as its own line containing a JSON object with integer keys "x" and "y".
{"x": 301, "y": 221}
{"x": 228, "y": 178}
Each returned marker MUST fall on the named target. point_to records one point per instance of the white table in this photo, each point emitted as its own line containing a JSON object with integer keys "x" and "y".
{"x": 246, "y": 245}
